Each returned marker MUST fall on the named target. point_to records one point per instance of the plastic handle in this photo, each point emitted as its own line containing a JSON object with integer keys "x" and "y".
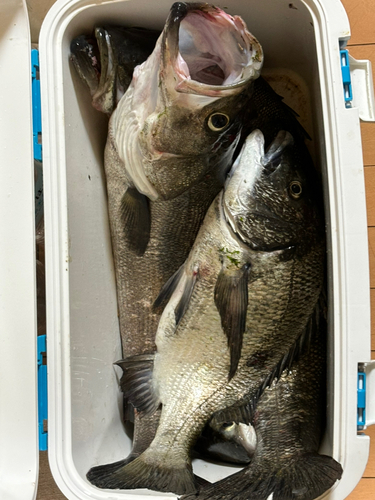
{"x": 370, "y": 393}
{"x": 363, "y": 88}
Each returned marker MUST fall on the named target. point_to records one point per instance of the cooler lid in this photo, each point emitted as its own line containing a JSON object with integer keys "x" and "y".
{"x": 18, "y": 371}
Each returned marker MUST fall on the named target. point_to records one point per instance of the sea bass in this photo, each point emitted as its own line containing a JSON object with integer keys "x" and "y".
{"x": 288, "y": 421}
{"x": 235, "y": 309}
{"x": 170, "y": 144}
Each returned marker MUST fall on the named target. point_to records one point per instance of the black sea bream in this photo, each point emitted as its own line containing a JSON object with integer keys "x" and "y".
{"x": 245, "y": 293}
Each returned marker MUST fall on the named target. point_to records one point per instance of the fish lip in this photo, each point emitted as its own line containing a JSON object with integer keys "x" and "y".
{"x": 170, "y": 43}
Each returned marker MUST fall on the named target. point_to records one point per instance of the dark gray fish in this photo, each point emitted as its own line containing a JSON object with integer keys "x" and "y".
{"x": 268, "y": 113}
{"x": 234, "y": 311}
{"x": 289, "y": 421}
{"x": 106, "y": 61}
{"x": 170, "y": 145}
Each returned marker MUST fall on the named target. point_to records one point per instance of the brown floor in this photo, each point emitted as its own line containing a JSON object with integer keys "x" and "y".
{"x": 362, "y": 46}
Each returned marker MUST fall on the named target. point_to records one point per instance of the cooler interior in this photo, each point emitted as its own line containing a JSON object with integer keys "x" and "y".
{"x": 286, "y": 32}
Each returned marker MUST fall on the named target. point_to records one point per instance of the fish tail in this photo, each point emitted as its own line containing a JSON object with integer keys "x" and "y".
{"x": 305, "y": 477}
{"x": 142, "y": 473}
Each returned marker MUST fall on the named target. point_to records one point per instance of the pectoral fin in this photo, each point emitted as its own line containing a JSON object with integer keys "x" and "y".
{"x": 231, "y": 299}
{"x": 136, "y": 220}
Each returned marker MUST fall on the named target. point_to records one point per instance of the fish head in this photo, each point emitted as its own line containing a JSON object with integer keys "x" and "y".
{"x": 272, "y": 200}
{"x": 191, "y": 109}
{"x": 106, "y": 60}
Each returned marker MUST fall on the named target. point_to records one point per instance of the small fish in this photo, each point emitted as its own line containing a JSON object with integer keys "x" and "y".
{"x": 235, "y": 309}
{"x": 170, "y": 145}
{"x": 288, "y": 421}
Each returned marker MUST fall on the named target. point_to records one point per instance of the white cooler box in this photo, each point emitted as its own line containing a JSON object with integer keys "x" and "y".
{"x": 301, "y": 42}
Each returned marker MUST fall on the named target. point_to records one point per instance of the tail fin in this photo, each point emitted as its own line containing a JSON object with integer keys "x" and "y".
{"x": 142, "y": 474}
{"x": 304, "y": 477}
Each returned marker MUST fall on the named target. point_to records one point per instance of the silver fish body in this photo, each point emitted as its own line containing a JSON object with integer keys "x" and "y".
{"x": 236, "y": 308}
{"x": 170, "y": 144}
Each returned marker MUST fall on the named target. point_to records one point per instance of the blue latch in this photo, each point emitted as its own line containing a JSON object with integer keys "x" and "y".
{"x": 42, "y": 392}
{"x": 345, "y": 69}
{"x": 361, "y": 391}
{"x": 37, "y": 115}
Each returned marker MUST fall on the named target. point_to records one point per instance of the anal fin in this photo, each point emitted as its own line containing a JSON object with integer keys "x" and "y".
{"x": 136, "y": 382}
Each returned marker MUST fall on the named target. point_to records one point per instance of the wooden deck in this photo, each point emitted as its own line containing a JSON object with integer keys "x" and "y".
{"x": 362, "y": 46}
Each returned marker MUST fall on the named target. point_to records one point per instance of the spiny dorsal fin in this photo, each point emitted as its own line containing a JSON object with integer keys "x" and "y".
{"x": 136, "y": 382}
{"x": 136, "y": 220}
{"x": 231, "y": 300}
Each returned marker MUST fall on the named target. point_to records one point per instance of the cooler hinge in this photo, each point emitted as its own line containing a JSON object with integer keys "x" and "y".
{"x": 42, "y": 392}
{"x": 361, "y": 398}
{"x": 346, "y": 78}
{"x": 366, "y": 400}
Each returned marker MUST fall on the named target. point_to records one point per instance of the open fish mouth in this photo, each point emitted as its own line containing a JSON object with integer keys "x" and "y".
{"x": 208, "y": 49}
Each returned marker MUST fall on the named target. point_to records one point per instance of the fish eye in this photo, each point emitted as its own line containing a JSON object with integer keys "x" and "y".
{"x": 295, "y": 189}
{"x": 218, "y": 121}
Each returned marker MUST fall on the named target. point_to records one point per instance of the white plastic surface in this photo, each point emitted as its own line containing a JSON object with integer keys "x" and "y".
{"x": 363, "y": 88}
{"x": 85, "y": 426}
{"x": 18, "y": 400}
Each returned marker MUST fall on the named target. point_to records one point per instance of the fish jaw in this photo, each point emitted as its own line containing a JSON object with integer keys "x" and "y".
{"x": 207, "y": 51}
